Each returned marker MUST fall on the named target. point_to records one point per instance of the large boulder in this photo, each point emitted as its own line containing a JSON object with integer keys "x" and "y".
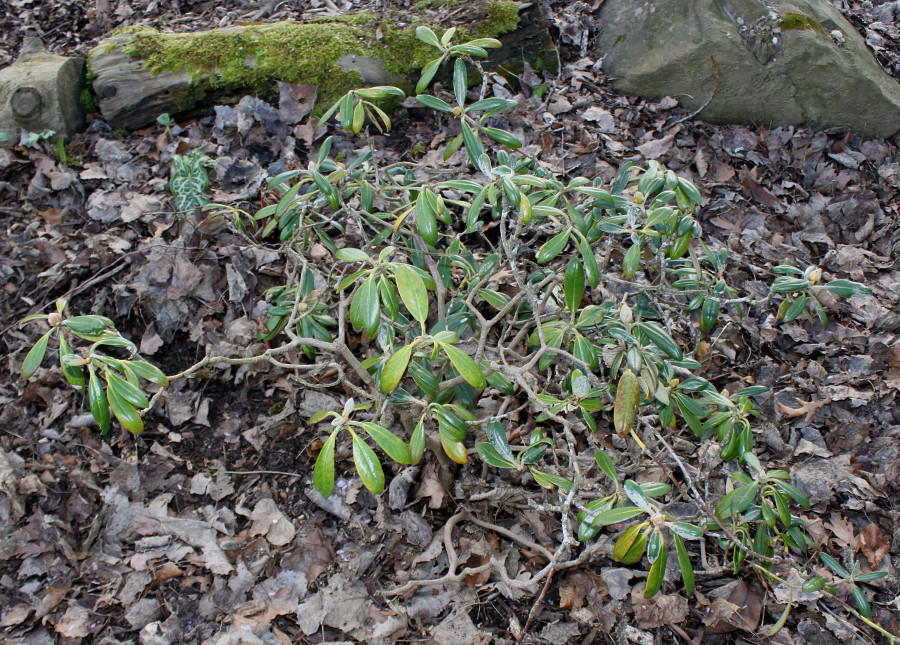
{"x": 762, "y": 62}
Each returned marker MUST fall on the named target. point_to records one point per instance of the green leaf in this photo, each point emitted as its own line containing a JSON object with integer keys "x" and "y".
{"x": 657, "y": 573}
{"x": 862, "y": 603}
{"x": 395, "y": 368}
{"x": 685, "y": 530}
{"x": 606, "y": 464}
{"x": 98, "y": 402}
{"x": 434, "y": 103}
{"x": 323, "y": 472}
{"x": 472, "y": 143}
{"x": 848, "y": 288}
{"x": 632, "y": 261}
{"x": 35, "y": 356}
{"x": 549, "y": 480}
{"x": 573, "y": 284}
{"x": 125, "y": 390}
{"x": 456, "y": 450}
{"x": 149, "y": 372}
{"x": 460, "y": 81}
{"x": 393, "y": 446}
{"x": 412, "y": 291}
{"x": 684, "y": 563}
{"x": 871, "y": 576}
{"x": 591, "y": 270}
{"x": 74, "y": 373}
{"x": 737, "y": 501}
{"x": 794, "y": 492}
{"x": 636, "y": 494}
{"x": 552, "y": 247}
{"x": 365, "y": 307}
{"x": 367, "y": 465}
{"x": 426, "y": 219}
{"x": 491, "y": 457}
{"x": 123, "y": 410}
{"x": 615, "y": 515}
{"x": 428, "y": 72}
{"x": 657, "y": 335}
{"x": 464, "y": 364}
{"x": 417, "y": 441}
{"x": 834, "y": 565}
{"x": 353, "y": 255}
{"x": 492, "y": 103}
{"x": 497, "y": 436}
{"x": 503, "y": 137}
{"x": 630, "y": 545}
{"x": 471, "y": 50}
{"x": 427, "y": 36}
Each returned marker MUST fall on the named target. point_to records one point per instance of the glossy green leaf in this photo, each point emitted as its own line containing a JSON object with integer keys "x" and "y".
{"x": 657, "y": 335}
{"x": 365, "y": 307}
{"x": 464, "y": 364}
{"x": 491, "y": 457}
{"x": 848, "y": 288}
{"x": 573, "y": 284}
{"x": 606, "y": 464}
{"x": 862, "y": 603}
{"x": 323, "y": 472}
{"x": 412, "y": 291}
{"x": 456, "y": 450}
{"x": 460, "y": 81}
{"x": 353, "y": 255}
{"x": 737, "y": 501}
{"x": 393, "y": 446}
{"x": 74, "y": 373}
{"x": 632, "y": 261}
{"x": 685, "y": 530}
{"x": 684, "y": 563}
{"x": 124, "y": 411}
{"x": 550, "y": 481}
{"x": 636, "y": 494}
{"x": 426, "y": 219}
{"x": 615, "y": 515}
{"x": 434, "y": 103}
{"x": 98, "y": 402}
{"x": 496, "y": 435}
{"x": 88, "y": 324}
{"x": 367, "y": 465}
{"x": 417, "y": 441}
{"x": 394, "y": 368}
{"x": 149, "y": 372}
{"x": 127, "y": 391}
{"x": 503, "y": 137}
{"x": 428, "y": 72}
{"x": 35, "y": 356}
{"x": 657, "y": 573}
{"x": 472, "y": 142}
{"x": 834, "y": 565}
{"x": 552, "y": 247}
{"x": 630, "y": 545}
{"x": 426, "y": 35}
{"x": 591, "y": 270}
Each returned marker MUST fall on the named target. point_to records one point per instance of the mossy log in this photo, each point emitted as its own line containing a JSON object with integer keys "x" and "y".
{"x": 139, "y": 73}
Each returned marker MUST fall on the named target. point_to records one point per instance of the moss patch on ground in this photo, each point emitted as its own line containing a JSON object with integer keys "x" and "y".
{"x": 255, "y": 56}
{"x": 798, "y": 21}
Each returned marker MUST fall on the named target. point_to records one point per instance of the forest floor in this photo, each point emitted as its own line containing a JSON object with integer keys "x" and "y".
{"x": 206, "y": 528}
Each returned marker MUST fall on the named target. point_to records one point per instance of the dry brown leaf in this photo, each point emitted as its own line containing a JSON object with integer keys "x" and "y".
{"x": 841, "y": 529}
{"x": 662, "y": 609}
{"x": 268, "y": 520}
{"x": 740, "y": 609}
{"x": 872, "y": 543}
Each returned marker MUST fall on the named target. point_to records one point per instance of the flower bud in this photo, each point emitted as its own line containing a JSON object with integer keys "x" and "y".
{"x": 625, "y": 314}
{"x": 54, "y": 319}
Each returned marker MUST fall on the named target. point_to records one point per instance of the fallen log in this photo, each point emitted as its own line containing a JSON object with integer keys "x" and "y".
{"x": 139, "y": 73}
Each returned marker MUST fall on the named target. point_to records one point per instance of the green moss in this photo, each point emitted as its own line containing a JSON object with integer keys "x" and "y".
{"x": 437, "y": 4}
{"x": 88, "y": 100}
{"x": 794, "y": 20}
{"x": 501, "y": 18}
{"x": 255, "y": 56}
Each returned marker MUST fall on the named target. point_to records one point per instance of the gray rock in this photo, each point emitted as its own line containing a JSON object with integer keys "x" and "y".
{"x": 778, "y": 63}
